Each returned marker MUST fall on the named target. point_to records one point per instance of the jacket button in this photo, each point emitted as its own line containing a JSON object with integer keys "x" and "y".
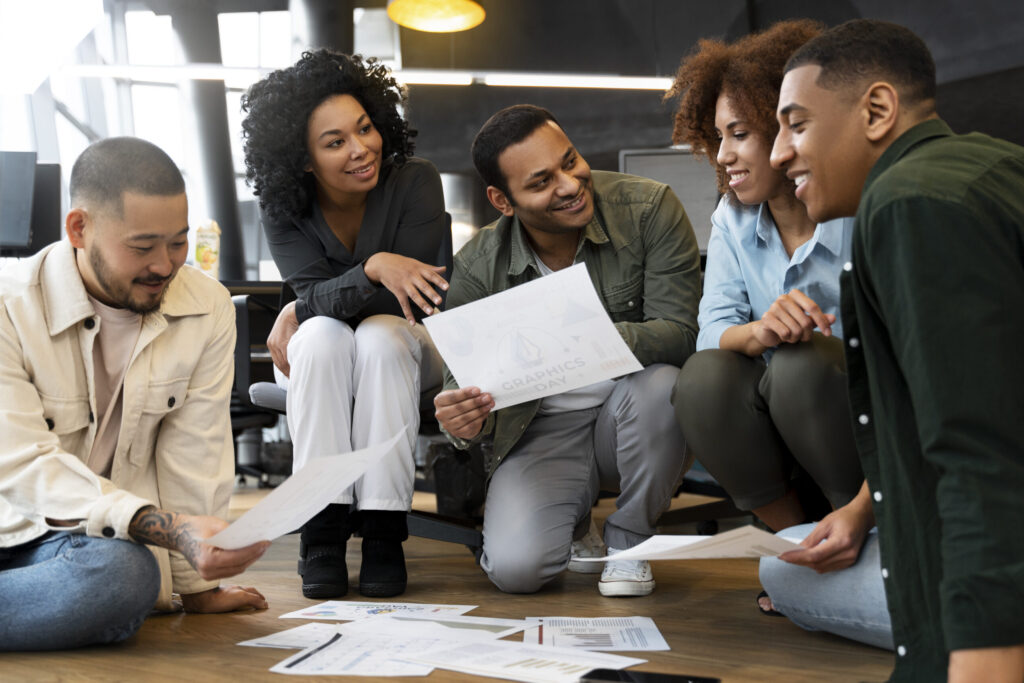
{"x": 49, "y": 423}
{"x": 108, "y": 532}
{"x": 170, "y": 402}
{"x": 92, "y": 418}
{"x": 89, "y": 323}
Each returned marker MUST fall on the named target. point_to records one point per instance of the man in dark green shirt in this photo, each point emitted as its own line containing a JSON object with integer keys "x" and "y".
{"x": 932, "y": 307}
{"x": 552, "y": 456}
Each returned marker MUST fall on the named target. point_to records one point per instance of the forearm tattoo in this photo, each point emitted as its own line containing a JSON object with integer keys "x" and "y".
{"x": 165, "y": 529}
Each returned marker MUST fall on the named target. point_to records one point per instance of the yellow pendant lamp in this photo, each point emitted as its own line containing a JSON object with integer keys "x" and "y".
{"x": 436, "y": 16}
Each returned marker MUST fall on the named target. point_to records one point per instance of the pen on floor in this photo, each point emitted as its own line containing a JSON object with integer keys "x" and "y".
{"x": 334, "y": 639}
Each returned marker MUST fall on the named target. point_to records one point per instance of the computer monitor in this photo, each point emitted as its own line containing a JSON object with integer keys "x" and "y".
{"x": 691, "y": 178}
{"x": 17, "y": 183}
{"x": 41, "y": 186}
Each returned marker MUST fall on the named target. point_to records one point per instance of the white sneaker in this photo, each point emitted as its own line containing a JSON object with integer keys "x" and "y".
{"x": 591, "y": 545}
{"x": 624, "y": 578}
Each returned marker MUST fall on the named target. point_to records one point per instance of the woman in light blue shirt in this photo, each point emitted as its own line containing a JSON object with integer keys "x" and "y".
{"x": 763, "y": 402}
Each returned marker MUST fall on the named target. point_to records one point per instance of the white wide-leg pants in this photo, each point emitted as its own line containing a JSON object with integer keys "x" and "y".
{"x": 349, "y": 389}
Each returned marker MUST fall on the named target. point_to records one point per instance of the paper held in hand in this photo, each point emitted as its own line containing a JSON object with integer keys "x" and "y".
{"x": 747, "y": 541}
{"x": 301, "y": 496}
{"x": 539, "y": 339}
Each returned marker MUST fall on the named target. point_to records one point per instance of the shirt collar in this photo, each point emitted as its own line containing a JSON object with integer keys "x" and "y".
{"x": 828, "y": 234}
{"x": 521, "y": 255}
{"x": 67, "y": 301}
{"x": 932, "y": 128}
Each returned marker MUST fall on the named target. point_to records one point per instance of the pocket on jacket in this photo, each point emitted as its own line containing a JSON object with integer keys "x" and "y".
{"x": 162, "y": 399}
{"x": 68, "y": 418}
{"x": 625, "y": 302}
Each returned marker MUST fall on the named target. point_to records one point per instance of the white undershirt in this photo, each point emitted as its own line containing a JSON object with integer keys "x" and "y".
{"x": 119, "y": 332}
{"x": 590, "y": 396}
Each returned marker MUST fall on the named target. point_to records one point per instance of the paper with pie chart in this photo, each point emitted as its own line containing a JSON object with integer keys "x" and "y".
{"x": 542, "y": 338}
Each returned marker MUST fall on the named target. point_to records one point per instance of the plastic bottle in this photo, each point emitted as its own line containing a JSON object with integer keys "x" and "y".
{"x": 208, "y": 248}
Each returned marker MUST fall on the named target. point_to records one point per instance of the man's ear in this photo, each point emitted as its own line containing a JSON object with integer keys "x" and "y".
{"x": 499, "y": 200}
{"x": 881, "y": 104}
{"x": 74, "y": 225}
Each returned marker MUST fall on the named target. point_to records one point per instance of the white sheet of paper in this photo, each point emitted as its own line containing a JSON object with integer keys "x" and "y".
{"x": 360, "y": 655}
{"x": 519, "y": 662}
{"x": 298, "y": 638}
{"x": 747, "y": 541}
{"x": 300, "y": 496}
{"x": 437, "y": 626}
{"x": 542, "y": 338}
{"x": 613, "y": 634}
{"x": 345, "y": 610}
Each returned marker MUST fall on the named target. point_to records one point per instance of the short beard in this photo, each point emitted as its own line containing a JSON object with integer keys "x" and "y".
{"x": 118, "y": 297}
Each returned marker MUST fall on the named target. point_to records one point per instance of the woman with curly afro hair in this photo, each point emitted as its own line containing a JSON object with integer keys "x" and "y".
{"x": 763, "y": 402}
{"x": 357, "y": 227}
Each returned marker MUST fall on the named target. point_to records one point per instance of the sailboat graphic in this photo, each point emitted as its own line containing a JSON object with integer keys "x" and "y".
{"x": 526, "y": 353}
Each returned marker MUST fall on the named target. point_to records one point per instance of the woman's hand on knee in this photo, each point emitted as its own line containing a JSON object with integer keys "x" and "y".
{"x": 462, "y": 411}
{"x": 286, "y": 325}
{"x": 411, "y": 281}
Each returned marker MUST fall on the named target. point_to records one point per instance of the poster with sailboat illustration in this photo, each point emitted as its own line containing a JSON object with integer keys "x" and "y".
{"x": 542, "y": 338}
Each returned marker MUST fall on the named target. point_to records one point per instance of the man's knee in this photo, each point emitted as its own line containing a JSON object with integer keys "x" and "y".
{"x": 517, "y": 568}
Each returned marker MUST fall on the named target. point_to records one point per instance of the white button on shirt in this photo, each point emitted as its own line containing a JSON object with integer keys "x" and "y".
{"x": 901, "y": 651}
{"x": 885, "y": 573}
{"x": 878, "y": 496}
{"x": 848, "y": 266}
{"x": 863, "y": 418}
{"x": 854, "y": 342}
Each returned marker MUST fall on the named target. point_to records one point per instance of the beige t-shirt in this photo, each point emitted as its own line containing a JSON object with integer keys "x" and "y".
{"x": 119, "y": 332}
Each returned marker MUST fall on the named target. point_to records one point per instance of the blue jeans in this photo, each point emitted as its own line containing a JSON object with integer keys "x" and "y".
{"x": 66, "y": 590}
{"x": 849, "y": 603}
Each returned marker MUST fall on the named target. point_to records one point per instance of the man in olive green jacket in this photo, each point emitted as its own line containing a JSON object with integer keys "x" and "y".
{"x": 552, "y": 456}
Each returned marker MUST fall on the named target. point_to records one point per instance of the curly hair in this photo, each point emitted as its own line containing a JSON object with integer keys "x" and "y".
{"x": 277, "y": 112}
{"x": 749, "y": 70}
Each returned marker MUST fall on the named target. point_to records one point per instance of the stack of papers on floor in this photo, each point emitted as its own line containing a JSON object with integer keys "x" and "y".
{"x": 405, "y": 639}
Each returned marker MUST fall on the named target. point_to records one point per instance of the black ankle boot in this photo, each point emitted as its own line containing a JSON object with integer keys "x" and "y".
{"x": 322, "y": 553}
{"x": 382, "y": 573}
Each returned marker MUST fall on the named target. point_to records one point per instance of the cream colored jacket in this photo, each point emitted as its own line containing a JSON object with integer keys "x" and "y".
{"x": 174, "y": 449}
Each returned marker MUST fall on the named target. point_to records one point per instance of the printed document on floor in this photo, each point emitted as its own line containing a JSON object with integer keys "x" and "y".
{"x": 747, "y": 541}
{"x": 542, "y": 338}
{"x": 610, "y": 634}
{"x": 361, "y": 655}
{"x": 349, "y": 610}
{"x": 298, "y": 638}
{"x": 437, "y": 626}
{"x": 519, "y": 662}
{"x": 300, "y": 496}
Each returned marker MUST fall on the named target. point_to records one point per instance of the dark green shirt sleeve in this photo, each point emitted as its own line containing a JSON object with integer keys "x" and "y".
{"x": 949, "y": 299}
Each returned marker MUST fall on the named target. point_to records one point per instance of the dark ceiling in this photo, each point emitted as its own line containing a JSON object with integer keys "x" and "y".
{"x": 978, "y": 47}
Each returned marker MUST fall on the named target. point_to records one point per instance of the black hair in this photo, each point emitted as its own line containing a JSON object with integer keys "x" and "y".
{"x": 278, "y": 109}
{"x": 506, "y": 128}
{"x": 112, "y": 166}
{"x": 863, "y": 49}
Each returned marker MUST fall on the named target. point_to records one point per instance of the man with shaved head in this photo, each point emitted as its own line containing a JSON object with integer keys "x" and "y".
{"x": 116, "y": 367}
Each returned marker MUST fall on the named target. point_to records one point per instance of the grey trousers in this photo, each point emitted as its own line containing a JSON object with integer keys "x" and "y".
{"x": 541, "y": 494}
{"x": 750, "y": 424}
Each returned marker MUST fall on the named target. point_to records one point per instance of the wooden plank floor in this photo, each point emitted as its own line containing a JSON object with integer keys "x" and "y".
{"x": 705, "y": 609}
